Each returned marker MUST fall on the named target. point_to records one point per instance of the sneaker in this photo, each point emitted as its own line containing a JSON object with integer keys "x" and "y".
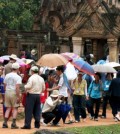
{"x": 69, "y": 122}
{"x": 76, "y": 121}
{"x": 14, "y": 126}
{"x": 5, "y": 125}
{"x": 103, "y": 117}
{"x": 41, "y": 120}
{"x": 95, "y": 119}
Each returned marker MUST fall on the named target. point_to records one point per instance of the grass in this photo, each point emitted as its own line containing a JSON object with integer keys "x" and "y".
{"x": 111, "y": 129}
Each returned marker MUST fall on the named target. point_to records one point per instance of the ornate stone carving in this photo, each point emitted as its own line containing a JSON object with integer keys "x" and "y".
{"x": 67, "y": 17}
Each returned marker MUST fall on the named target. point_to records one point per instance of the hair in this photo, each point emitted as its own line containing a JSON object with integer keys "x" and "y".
{"x": 98, "y": 74}
{"x": 36, "y": 71}
{"x": 12, "y": 59}
{"x": 51, "y": 72}
{"x": 104, "y": 57}
{"x": 118, "y": 74}
{"x": 44, "y": 76}
{"x": 88, "y": 57}
{"x": 110, "y": 74}
{"x": 61, "y": 68}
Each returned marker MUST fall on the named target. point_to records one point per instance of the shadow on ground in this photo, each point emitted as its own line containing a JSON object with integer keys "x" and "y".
{"x": 44, "y": 131}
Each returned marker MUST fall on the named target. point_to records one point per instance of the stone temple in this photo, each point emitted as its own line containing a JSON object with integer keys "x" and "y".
{"x": 92, "y": 25}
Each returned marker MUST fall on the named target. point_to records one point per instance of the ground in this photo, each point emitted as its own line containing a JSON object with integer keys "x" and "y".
{"x": 20, "y": 123}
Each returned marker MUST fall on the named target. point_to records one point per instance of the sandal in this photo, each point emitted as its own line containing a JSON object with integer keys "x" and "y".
{"x": 69, "y": 122}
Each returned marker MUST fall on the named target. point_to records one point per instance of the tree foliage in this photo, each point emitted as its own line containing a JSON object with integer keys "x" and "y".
{"x": 18, "y": 14}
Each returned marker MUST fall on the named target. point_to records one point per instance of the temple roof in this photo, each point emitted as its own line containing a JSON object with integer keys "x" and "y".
{"x": 85, "y": 18}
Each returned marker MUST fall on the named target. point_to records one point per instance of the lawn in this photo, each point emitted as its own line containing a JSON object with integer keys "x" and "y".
{"x": 111, "y": 129}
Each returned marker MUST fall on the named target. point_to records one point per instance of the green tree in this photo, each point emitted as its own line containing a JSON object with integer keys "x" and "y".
{"x": 18, "y": 14}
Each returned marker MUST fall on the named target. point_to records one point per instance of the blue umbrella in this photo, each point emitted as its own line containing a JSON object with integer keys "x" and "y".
{"x": 83, "y": 66}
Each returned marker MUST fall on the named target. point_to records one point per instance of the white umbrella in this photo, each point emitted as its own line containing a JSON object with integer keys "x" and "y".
{"x": 112, "y": 64}
{"x": 103, "y": 69}
{"x": 70, "y": 72}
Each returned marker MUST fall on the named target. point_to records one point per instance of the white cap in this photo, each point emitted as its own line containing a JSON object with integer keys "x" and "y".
{"x": 34, "y": 68}
{"x": 91, "y": 56}
{"x": 15, "y": 66}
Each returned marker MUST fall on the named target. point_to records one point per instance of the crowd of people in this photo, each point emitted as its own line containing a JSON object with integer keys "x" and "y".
{"x": 49, "y": 97}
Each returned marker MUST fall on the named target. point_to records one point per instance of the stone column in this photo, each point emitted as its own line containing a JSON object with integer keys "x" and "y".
{"x": 78, "y": 47}
{"x": 113, "y": 50}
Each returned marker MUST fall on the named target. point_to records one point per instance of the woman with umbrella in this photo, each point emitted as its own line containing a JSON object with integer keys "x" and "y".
{"x": 95, "y": 94}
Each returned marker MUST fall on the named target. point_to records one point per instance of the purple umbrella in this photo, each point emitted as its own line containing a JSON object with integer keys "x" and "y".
{"x": 83, "y": 66}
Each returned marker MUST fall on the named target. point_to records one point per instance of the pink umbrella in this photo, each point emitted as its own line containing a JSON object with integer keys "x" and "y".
{"x": 70, "y": 56}
{"x": 18, "y": 60}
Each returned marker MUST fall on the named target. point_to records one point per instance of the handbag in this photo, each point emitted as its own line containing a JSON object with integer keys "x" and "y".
{"x": 63, "y": 108}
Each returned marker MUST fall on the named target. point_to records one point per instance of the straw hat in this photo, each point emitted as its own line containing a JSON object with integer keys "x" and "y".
{"x": 13, "y": 56}
{"x": 55, "y": 93}
{"x": 33, "y": 52}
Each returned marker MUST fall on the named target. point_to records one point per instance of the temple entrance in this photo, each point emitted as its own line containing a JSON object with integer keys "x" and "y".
{"x": 97, "y": 46}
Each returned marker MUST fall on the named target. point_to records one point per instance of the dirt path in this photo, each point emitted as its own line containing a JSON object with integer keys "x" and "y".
{"x": 88, "y": 122}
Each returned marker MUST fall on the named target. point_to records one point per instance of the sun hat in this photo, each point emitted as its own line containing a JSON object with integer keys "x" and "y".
{"x": 13, "y": 56}
{"x": 55, "y": 93}
{"x": 33, "y": 52}
{"x": 34, "y": 68}
{"x": 15, "y": 66}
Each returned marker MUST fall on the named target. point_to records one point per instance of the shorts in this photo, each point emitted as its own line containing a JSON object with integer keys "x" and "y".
{"x": 11, "y": 99}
